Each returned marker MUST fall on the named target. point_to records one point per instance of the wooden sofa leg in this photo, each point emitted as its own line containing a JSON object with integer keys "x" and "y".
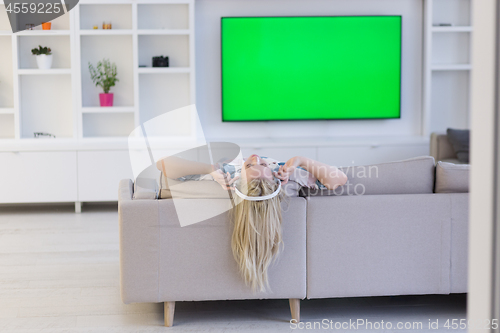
{"x": 169, "y": 308}
{"x": 295, "y": 309}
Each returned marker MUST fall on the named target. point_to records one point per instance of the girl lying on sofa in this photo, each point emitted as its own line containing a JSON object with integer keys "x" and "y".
{"x": 257, "y": 181}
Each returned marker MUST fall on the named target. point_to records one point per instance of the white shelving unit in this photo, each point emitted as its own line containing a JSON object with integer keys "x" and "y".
{"x": 447, "y": 65}
{"x": 24, "y": 106}
{"x": 91, "y": 141}
{"x": 140, "y": 30}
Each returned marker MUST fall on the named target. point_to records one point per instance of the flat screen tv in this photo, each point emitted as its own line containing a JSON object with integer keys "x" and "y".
{"x": 311, "y": 67}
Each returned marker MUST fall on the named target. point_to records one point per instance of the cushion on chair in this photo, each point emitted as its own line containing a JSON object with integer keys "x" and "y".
{"x": 410, "y": 176}
{"x": 459, "y": 139}
{"x": 452, "y": 178}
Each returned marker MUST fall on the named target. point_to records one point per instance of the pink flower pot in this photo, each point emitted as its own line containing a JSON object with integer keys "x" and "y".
{"x": 106, "y": 99}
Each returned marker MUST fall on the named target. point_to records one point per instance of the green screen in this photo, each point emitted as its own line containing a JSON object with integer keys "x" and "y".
{"x": 291, "y": 68}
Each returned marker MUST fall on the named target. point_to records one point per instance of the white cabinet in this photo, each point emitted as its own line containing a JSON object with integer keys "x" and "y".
{"x": 38, "y": 177}
{"x": 99, "y": 173}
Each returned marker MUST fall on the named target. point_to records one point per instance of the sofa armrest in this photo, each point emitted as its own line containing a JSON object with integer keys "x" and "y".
{"x": 125, "y": 190}
{"x": 441, "y": 147}
{"x": 139, "y": 246}
{"x": 144, "y": 188}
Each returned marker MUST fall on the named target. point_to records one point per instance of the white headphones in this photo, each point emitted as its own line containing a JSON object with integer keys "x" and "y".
{"x": 264, "y": 197}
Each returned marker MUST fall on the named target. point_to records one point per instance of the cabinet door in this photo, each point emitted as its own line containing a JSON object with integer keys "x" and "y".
{"x": 99, "y": 173}
{"x": 38, "y": 177}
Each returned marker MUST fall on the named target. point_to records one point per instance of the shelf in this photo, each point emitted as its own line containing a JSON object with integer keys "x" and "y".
{"x": 47, "y": 105}
{"x": 43, "y": 33}
{"x": 107, "y": 124}
{"x": 452, "y": 29}
{"x": 119, "y": 50}
{"x": 451, "y": 67}
{"x": 109, "y": 109}
{"x": 176, "y": 47}
{"x": 59, "y": 44}
{"x": 103, "y": 32}
{"x": 163, "y": 32}
{"x": 52, "y": 71}
{"x": 163, "y": 70}
{"x": 163, "y": 15}
{"x": 456, "y": 12}
{"x": 6, "y": 110}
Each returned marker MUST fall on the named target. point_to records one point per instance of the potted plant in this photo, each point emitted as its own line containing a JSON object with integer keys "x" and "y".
{"x": 46, "y": 25}
{"x": 105, "y": 76}
{"x": 43, "y": 57}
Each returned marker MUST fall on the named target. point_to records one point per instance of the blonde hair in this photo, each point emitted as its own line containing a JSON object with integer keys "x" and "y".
{"x": 256, "y": 239}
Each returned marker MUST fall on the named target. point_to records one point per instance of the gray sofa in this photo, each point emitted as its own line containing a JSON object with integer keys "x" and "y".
{"x": 396, "y": 236}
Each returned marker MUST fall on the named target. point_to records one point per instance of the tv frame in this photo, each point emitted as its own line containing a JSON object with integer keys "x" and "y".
{"x": 317, "y": 119}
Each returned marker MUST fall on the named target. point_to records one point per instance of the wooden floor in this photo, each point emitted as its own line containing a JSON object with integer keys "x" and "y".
{"x": 59, "y": 272}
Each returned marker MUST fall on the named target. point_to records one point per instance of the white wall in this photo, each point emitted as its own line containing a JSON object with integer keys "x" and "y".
{"x": 208, "y": 79}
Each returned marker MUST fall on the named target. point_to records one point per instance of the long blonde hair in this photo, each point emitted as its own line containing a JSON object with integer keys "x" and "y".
{"x": 257, "y": 239}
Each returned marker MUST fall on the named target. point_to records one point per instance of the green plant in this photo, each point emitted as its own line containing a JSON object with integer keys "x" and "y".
{"x": 104, "y": 75}
{"x": 41, "y": 50}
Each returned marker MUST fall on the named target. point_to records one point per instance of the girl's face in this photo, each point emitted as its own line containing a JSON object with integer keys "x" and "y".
{"x": 255, "y": 167}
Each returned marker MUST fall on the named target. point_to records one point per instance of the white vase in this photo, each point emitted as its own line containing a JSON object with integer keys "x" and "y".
{"x": 44, "y": 61}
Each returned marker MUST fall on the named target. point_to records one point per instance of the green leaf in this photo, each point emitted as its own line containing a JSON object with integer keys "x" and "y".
{"x": 104, "y": 74}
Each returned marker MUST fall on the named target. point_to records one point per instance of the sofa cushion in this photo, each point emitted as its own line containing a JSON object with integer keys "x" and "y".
{"x": 452, "y": 160}
{"x": 412, "y": 176}
{"x": 378, "y": 245}
{"x": 452, "y": 178}
{"x": 459, "y": 139}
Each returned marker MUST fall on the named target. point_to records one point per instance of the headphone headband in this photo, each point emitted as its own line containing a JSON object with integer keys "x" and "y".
{"x": 264, "y": 197}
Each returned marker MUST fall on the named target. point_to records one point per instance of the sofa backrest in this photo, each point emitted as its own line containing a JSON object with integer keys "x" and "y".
{"x": 411, "y": 176}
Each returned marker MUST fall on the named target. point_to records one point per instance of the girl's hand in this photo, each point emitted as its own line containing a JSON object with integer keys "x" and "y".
{"x": 224, "y": 179}
{"x": 288, "y": 168}
{"x": 281, "y": 175}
